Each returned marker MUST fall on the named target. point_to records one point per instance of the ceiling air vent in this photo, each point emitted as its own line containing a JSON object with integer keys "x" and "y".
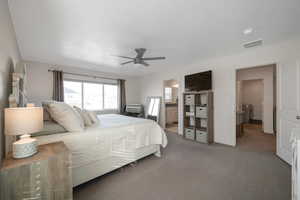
{"x": 253, "y": 43}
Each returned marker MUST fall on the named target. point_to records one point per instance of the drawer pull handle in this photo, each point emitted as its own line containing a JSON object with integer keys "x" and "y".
{"x": 298, "y": 117}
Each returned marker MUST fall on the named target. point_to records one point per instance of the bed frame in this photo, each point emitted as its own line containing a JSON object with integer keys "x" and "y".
{"x": 88, "y": 172}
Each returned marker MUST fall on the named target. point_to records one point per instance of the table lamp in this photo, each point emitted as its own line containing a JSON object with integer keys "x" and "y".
{"x": 23, "y": 121}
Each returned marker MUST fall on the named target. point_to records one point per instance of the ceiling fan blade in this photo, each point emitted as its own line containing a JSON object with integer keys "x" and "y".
{"x": 144, "y": 63}
{"x": 155, "y": 58}
{"x": 125, "y": 57}
{"x": 126, "y": 62}
{"x": 140, "y": 52}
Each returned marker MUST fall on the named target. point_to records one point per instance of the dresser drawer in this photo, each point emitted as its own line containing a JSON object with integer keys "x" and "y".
{"x": 190, "y": 134}
{"x": 201, "y": 136}
{"x": 201, "y": 112}
{"x": 189, "y": 99}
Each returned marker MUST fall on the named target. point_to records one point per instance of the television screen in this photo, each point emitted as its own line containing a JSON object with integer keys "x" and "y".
{"x": 198, "y": 82}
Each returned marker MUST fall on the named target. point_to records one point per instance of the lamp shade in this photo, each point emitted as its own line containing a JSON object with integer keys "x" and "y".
{"x": 23, "y": 120}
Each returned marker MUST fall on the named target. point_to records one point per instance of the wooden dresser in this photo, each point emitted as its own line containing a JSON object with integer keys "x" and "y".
{"x": 44, "y": 176}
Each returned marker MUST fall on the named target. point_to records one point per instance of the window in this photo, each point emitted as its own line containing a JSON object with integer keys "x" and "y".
{"x": 73, "y": 93}
{"x": 91, "y": 96}
{"x": 92, "y": 93}
{"x": 168, "y": 94}
{"x": 110, "y": 97}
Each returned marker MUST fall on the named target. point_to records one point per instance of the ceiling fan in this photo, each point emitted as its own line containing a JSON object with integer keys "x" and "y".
{"x": 139, "y": 59}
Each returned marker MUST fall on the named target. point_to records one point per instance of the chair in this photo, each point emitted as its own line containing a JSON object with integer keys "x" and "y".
{"x": 134, "y": 110}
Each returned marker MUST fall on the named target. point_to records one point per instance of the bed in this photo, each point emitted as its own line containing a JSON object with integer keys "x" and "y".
{"x": 114, "y": 142}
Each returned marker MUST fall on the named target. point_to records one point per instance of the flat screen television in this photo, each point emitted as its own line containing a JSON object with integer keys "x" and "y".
{"x": 198, "y": 82}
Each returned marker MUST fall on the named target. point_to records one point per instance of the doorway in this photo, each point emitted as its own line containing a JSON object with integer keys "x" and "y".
{"x": 256, "y": 108}
{"x": 171, "y": 105}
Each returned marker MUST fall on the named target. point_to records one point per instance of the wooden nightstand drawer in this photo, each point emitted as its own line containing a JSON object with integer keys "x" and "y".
{"x": 46, "y": 175}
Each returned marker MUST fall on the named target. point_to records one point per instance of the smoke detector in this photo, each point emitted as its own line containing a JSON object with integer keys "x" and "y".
{"x": 253, "y": 43}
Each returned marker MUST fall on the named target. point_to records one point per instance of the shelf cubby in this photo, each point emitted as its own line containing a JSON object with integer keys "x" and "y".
{"x": 198, "y": 116}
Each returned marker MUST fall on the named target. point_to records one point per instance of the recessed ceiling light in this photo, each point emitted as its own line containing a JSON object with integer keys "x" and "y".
{"x": 248, "y": 31}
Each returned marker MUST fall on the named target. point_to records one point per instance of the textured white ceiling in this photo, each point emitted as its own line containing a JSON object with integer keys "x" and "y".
{"x": 87, "y": 33}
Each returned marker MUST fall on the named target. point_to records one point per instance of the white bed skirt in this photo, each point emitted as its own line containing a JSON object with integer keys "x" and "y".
{"x": 88, "y": 172}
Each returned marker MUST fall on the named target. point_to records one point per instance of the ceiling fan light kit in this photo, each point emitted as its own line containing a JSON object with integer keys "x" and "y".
{"x": 139, "y": 59}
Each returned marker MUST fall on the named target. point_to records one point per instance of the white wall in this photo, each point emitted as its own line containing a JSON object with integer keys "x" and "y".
{"x": 224, "y": 81}
{"x": 39, "y": 86}
{"x": 252, "y": 93}
{"x": 266, "y": 74}
{"x": 9, "y": 55}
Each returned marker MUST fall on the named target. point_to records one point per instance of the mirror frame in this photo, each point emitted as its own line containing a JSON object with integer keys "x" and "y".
{"x": 159, "y": 106}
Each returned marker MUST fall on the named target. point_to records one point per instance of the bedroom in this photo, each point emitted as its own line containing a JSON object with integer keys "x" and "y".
{"x": 84, "y": 40}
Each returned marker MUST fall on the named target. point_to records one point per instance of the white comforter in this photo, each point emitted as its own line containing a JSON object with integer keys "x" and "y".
{"x": 114, "y": 135}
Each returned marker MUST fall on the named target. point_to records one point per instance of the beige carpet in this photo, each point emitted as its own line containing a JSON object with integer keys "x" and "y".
{"x": 255, "y": 140}
{"x": 173, "y": 128}
{"x": 192, "y": 171}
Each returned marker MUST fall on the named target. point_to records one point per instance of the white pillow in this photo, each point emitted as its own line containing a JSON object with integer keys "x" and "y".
{"x": 66, "y": 116}
{"x": 84, "y": 115}
{"x": 93, "y": 116}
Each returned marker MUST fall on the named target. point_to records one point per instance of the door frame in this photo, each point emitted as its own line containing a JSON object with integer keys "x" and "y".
{"x": 278, "y": 93}
{"x": 164, "y": 104}
{"x": 282, "y": 153}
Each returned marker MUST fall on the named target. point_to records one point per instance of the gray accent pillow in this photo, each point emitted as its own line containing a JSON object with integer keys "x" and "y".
{"x": 50, "y": 128}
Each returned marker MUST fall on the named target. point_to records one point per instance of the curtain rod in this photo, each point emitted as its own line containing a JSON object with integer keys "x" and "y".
{"x": 51, "y": 70}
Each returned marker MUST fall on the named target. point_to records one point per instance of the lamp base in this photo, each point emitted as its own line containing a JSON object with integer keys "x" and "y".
{"x": 25, "y": 147}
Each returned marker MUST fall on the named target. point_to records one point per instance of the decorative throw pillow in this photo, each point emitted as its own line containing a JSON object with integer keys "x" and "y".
{"x": 50, "y": 128}
{"x": 78, "y": 110}
{"x": 87, "y": 119}
{"x": 46, "y": 115}
{"x": 66, "y": 116}
{"x": 93, "y": 116}
{"x": 84, "y": 115}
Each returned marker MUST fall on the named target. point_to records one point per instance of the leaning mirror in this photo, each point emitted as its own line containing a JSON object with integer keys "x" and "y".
{"x": 153, "y": 108}
{"x": 18, "y": 96}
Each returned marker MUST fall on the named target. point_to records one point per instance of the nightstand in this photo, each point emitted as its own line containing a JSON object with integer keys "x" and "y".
{"x": 45, "y": 176}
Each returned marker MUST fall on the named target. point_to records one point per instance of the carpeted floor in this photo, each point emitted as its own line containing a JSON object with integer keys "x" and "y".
{"x": 173, "y": 128}
{"x": 255, "y": 140}
{"x": 192, "y": 171}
